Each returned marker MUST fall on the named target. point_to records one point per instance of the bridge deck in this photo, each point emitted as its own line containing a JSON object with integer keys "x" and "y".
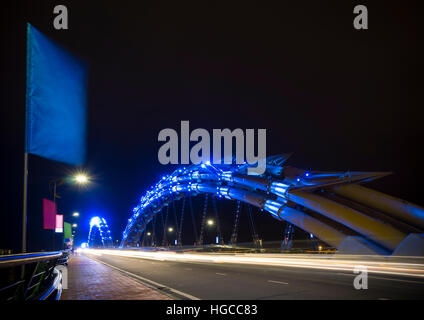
{"x": 91, "y": 280}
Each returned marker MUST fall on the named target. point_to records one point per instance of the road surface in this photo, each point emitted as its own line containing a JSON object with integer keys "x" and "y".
{"x": 212, "y": 280}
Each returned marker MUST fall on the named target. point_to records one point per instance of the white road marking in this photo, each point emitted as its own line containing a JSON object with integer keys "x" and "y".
{"x": 221, "y": 274}
{"x": 150, "y": 283}
{"x": 280, "y": 282}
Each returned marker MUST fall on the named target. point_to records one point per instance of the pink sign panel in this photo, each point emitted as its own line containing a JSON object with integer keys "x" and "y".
{"x": 49, "y": 214}
{"x": 59, "y": 223}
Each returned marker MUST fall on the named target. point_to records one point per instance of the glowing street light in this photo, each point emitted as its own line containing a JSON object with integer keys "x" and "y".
{"x": 170, "y": 229}
{"x": 74, "y": 225}
{"x": 81, "y": 178}
{"x": 75, "y": 214}
{"x": 148, "y": 233}
{"x": 210, "y": 222}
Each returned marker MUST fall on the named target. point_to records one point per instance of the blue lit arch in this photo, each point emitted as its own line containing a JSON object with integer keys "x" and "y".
{"x": 99, "y": 224}
{"x": 281, "y": 191}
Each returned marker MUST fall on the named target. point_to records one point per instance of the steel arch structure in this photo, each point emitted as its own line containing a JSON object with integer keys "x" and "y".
{"x": 99, "y": 224}
{"x": 330, "y": 205}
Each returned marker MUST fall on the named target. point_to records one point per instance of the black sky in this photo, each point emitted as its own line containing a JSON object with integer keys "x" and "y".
{"x": 337, "y": 97}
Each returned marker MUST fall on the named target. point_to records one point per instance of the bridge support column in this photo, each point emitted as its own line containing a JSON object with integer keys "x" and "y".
{"x": 403, "y": 210}
{"x": 322, "y": 231}
{"x": 378, "y": 231}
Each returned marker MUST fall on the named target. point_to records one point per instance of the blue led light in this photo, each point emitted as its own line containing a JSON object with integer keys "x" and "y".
{"x": 279, "y": 188}
{"x": 102, "y": 226}
{"x": 273, "y": 207}
{"x": 196, "y": 179}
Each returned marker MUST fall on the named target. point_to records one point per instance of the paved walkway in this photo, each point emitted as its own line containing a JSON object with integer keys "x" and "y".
{"x": 91, "y": 280}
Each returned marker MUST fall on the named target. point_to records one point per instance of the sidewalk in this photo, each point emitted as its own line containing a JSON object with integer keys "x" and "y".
{"x": 91, "y": 280}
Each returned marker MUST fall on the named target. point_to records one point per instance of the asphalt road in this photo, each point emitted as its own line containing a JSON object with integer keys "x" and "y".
{"x": 204, "y": 280}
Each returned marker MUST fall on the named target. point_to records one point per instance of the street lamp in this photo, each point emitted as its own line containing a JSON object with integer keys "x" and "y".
{"x": 210, "y": 222}
{"x": 75, "y": 214}
{"x": 170, "y": 229}
{"x": 81, "y": 178}
{"x": 74, "y": 225}
{"x": 148, "y": 233}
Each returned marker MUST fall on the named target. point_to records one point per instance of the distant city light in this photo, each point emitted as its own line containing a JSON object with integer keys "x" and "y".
{"x": 170, "y": 229}
{"x": 74, "y": 225}
{"x": 75, "y": 214}
{"x": 148, "y": 233}
{"x": 210, "y": 222}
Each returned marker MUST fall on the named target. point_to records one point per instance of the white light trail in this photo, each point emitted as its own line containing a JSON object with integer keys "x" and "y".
{"x": 341, "y": 263}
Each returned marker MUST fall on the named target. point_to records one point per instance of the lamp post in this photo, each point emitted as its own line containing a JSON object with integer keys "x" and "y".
{"x": 78, "y": 178}
{"x": 211, "y": 223}
{"x": 170, "y": 230}
{"x": 149, "y": 240}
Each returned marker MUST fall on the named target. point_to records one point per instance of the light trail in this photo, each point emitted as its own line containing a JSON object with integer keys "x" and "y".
{"x": 334, "y": 263}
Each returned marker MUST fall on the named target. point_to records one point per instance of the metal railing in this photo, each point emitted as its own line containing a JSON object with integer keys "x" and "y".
{"x": 31, "y": 276}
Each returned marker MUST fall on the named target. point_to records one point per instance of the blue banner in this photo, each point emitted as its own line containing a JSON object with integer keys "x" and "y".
{"x": 55, "y": 101}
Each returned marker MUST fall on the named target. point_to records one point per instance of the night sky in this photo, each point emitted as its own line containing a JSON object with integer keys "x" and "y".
{"x": 337, "y": 97}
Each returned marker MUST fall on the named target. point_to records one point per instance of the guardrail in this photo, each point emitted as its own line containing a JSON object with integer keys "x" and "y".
{"x": 31, "y": 276}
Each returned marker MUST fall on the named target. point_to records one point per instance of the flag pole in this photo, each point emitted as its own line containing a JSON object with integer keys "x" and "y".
{"x": 24, "y": 212}
{"x": 54, "y": 200}
{"x": 25, "y": 193}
